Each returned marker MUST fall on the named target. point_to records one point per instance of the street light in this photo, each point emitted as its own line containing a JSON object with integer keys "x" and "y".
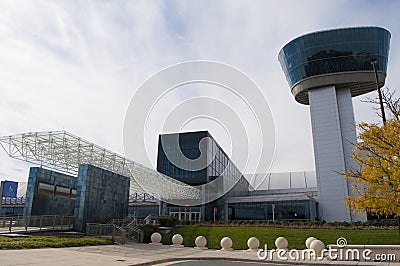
{"x": 373, "y": 63}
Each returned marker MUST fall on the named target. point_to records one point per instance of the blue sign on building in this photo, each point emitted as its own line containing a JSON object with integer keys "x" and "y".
{"x": 10, "y": 189}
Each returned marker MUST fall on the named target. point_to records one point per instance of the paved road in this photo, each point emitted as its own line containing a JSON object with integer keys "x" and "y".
{"x": 219, "y": 263}
{"x": 144, "y": 254}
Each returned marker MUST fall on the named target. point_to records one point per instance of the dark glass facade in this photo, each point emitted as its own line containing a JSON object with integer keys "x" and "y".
{"x": 96, "y": 195}
{"x": 190, "y": 144}
{"x": 43, "y": 195}
{"x": 332, "y": 51}
{"x": 12, "y": 210}
{"x": 142, "y": 211}
{"x": 101, "y": 196}
{"x": 279, "y": 210}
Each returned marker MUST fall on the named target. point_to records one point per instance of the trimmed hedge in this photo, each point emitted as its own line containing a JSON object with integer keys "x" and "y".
{"x": 168, "y": 221}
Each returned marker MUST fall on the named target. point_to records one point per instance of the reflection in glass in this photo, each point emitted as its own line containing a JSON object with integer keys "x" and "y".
{"x": 333, "y": 51}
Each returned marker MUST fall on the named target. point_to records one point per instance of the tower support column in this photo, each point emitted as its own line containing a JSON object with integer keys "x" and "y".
{"x": 332, "y": 120}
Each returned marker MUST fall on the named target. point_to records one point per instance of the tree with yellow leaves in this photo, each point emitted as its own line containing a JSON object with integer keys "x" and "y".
{"x": 376, "y": 184}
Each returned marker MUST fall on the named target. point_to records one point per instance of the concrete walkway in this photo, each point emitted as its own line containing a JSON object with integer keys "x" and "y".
{"x": 23, "y": 230}
{"x": 145, "y": 254}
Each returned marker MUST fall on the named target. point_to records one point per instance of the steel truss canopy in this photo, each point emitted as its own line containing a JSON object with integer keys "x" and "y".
{"x": 64, "y": 152}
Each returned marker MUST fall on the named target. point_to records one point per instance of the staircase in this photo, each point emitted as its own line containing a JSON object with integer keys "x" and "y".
{"x": 118, "y": 230}
{"x": 122, "y": 222}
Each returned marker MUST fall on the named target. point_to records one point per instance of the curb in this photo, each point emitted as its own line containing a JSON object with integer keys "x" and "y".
{"x": 232, "y": 259}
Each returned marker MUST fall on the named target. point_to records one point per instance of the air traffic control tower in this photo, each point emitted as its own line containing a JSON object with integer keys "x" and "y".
{"x": 324, "y": 70}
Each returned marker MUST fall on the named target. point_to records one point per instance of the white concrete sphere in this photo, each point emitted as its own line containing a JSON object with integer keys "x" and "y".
{"x": 281, "y": 243}
{"x": 317, "y": 246}
{"x": 155, "y": 237}
{"x": 177, "y": 239}
{"x": 200, "y": 241}
{"x": 309, "y": 240}
{"x": 253, "y": 243}
{"x": 226, "y": 243}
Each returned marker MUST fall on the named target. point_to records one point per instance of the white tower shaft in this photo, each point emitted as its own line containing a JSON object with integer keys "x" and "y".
{"x": 332, "y": 120}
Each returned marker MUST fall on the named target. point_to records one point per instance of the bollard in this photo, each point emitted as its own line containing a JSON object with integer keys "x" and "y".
{"x": 253, "y": 243}
{"x": 226, "y": 244}
{"x": 281, "y": 243}
{"x": 177, "y": 241}
{"x": 155, "y": 239}
{"x": 309, "y": 240}
{"x": 200, "y": 242}
{"x": 317, "y": 246}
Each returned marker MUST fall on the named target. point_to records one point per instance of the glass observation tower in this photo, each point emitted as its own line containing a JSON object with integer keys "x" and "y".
{"x": 325, "y": 70}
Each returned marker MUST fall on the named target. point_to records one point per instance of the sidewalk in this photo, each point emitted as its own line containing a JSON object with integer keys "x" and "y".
{"x": 143, "y": 254}
{"x": 22, "y": 230}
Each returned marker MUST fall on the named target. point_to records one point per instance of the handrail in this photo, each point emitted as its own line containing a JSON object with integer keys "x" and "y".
{"x": 115, "y": 221}
{"x": 132, "y": 223}
{"x": 149, "y": 218}
{"x": 37, "y": 222}
{"x": 128, "y": 224}
{"x": 123, "y": 234}
{"x": 117, "y": 233}
{"x": 122, "y": 221}
{"x": 139, "y": 234}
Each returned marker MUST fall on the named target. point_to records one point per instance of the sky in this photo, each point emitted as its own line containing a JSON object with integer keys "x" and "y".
{"x": 75, "y": 65}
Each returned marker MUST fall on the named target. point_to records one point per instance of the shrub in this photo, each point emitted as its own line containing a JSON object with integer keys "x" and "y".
{"x": 148, "y": 229}
{"x": 168, "y": 221}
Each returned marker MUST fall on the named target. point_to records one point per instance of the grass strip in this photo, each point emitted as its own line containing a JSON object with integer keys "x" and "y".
{"x": 49, "y": 242}
{"x": 296, "y": 237}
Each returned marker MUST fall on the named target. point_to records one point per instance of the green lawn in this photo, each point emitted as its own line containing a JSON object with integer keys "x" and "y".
{"x": 49, "y": 242}
{"x": 295, "y": 237}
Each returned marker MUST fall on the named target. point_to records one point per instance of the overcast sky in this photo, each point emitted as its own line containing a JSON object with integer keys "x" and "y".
{"x": 74, "y": 65}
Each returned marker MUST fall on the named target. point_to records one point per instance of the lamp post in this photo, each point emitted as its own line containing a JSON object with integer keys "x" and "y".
{"x": 273, "y": 213}
{"x": 373, "y": 63}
